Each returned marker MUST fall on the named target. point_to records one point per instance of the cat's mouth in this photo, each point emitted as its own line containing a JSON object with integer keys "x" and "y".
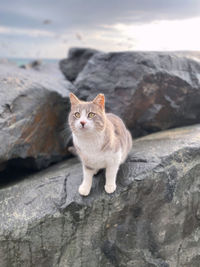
{"x": 83, "y": 128}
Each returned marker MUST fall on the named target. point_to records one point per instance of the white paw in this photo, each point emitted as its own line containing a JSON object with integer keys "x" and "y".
{"x": 84, "y": 190}
{"x": 110, "y": 188}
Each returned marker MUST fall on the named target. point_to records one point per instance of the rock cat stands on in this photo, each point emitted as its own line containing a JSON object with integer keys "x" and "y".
{"x": 101, "y": 141}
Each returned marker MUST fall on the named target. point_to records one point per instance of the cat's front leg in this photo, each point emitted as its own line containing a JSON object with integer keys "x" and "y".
{"x": 85, "y": 187}
{"x": 111, "y": 175}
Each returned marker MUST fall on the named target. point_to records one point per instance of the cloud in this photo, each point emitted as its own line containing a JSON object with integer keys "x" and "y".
{"x": 47, "y": 28}
{"x": 73, "y": 14}
{"x": 161, "y": 35}
{"x": 26, "y": 32}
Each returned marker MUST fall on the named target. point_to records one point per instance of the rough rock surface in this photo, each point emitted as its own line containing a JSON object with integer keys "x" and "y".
{"x": 76, "y": 61}
{"x": 189, "y": 54}
{"x": 153, "y": 219}
{"x": 151, "y": 91}
{"x": 33, "y": 112}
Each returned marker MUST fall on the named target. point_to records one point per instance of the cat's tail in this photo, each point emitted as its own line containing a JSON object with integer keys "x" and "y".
{"x": 129, "y": 141}
{"x": 72, "y": 150}
{"x": 128, "y": 147}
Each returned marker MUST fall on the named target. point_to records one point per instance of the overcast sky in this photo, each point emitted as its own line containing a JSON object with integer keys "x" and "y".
{"x": 47, "y": 28}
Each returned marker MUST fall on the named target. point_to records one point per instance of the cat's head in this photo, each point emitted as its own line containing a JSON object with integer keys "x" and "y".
{"x": 87, "y": 117}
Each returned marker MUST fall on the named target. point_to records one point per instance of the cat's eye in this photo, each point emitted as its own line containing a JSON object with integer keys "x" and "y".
{"x": 91, "y": 115}
{"x": 77, "y": 115}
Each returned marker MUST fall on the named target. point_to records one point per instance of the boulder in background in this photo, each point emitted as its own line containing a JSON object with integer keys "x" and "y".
{"x": 150, "y": 91}
{"x": 76, "y": 61}
{"x": 33, "y": 114}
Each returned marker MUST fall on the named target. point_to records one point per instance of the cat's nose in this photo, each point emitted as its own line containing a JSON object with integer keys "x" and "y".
{"x": 83, "y": 123}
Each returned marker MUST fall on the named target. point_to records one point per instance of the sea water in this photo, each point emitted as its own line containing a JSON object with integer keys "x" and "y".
{"x": 24, "y": 61}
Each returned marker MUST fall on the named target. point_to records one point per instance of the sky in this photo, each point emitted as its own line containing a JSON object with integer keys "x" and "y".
{"x": 48, "y": 28}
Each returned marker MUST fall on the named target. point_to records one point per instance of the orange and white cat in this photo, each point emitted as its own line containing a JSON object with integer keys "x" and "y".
{"x": 101, "y": 141}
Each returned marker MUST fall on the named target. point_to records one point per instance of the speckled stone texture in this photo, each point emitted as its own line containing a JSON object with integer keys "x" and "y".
{"x": 150, "y": 91}
{"x": 33, "y": 113}
{"x": 153, "y": 219}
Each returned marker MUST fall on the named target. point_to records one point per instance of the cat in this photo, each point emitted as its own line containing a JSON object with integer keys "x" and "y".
{"x": 101, "y": 141}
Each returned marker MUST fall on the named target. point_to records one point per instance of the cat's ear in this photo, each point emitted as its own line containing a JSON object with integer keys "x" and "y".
{"x": 73, "y": 99}
{"x": 99, "y": 100}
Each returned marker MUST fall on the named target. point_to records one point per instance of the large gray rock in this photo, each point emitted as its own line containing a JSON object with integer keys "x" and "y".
{"x": 151, "y": 220}
{"x": 76, "y": 61}
{"x": 189, "y": 54}
{"x": 151, "y": 91}
{"x": 33, "y": 114}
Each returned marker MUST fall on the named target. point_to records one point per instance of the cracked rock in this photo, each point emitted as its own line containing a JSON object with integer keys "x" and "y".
{"x": 151, "y": 220}
{"x": 33, "y": 114}
{"x": 150, "y": 91}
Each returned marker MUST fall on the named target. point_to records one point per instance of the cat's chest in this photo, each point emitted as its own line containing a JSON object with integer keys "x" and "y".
{"x": 91, "y": 151}
{"x": 88, "y": 145}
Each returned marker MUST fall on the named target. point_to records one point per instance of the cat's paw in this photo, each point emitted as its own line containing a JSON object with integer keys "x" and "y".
{"x": 84, "y": 190}
{"x": 110, "y": 188}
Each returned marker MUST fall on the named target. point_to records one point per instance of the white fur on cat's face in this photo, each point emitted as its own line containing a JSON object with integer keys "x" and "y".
{"x": 84, "y": 124}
